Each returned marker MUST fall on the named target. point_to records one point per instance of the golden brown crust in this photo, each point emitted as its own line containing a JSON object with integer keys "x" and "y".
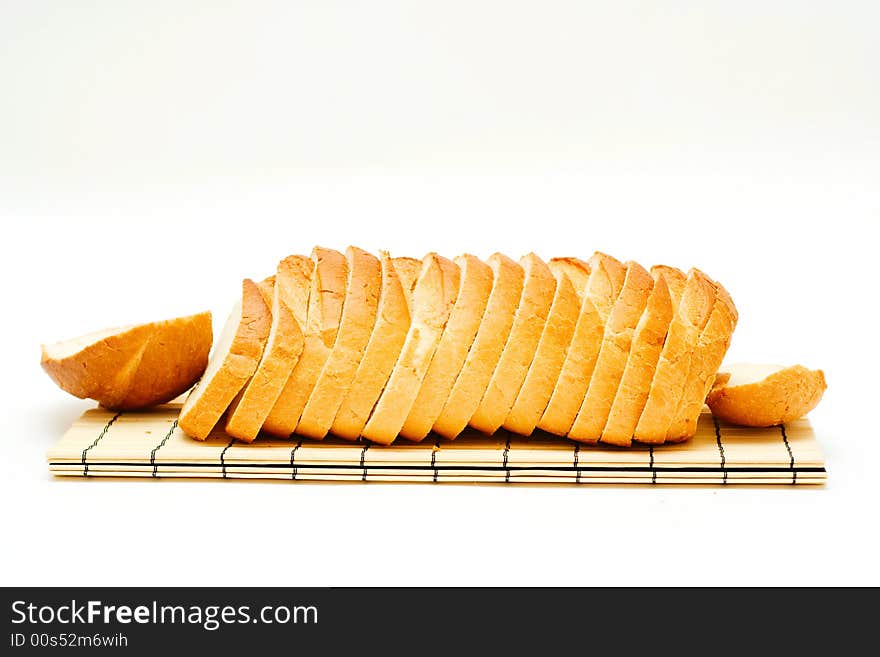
{"x": 670, "y": 376}
{"x": 603, "y": 286}
{"x": 711, "y": 349}
{"x": 382, "y": 352}
{"x": 267, "y": 289}
{"x": 783, "y": 396}
{"x": 675, "y": 279}
{"x": 284, "y": 345}
{"x": 632, "y": 393}
{"x": 233, "y": 362}
{"x": 613, "y": 354}
{"x": 433, "y": 300}
{"x": 486, "y": 349}
{"x": 549, "y": 357}
{"x": 358, "y": 318}
{"x": 519, "y": 350}
{"x": 458, "y": 336}
{"x": 133, "y": 367}
{"x": 576, "y": 270}
{"x": 326, "y": 297}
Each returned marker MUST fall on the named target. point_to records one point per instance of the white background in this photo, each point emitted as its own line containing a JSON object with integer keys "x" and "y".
{"x": 152, "y": 154}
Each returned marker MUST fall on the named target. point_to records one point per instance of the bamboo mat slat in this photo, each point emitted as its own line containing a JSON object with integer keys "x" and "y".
{"x": 102, "y": 443}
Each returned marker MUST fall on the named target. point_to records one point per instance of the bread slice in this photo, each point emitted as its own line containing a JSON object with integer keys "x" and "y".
{"x": 382, "y": 351}
{"x": 326, "y": 297}
{"x": 248, "y": 411}
{"x": 267, "y": 289}
{"x": 766, "y": 395}
{"x": 485, "y": 352}
{"x": 632, "y": 393}
{"x": 358, "y": 319}
{"x": 670, "y": 376}
{"x": 408, "y": 270}
{"x": 135, "y": 366}
{"x": 432, "y": 302}
{"x": 604, "y": 283}
{"x": 519, "y": 351}
{"x": 711, "y": 349}
{"x": 576, "y": 270}
{"x": 461, "y": 329}
{"x": 675, "y": 279}
{"x": 613, "y": 355}
{"x": 544, "y": 371}
{"x": 232, "y": 364}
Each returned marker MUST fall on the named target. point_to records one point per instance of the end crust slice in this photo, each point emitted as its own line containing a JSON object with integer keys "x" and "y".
{"x": 134, "y": 366}
{"x": 766, "y": 395}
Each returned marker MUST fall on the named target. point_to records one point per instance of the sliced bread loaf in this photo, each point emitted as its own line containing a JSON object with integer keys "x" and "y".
{"x": 710, "y": 351}
{"x": 358, "y": 318}
{"x": 233, "y": 362}
{"x": 544, "y": 371}
{"x": 606, "y": 276}
{"x": 632, "y": 393}
{"x": 486, "y": 349}
{"x": 519, "y": 350}
{"x": 326, "y": 297}
{"x": 458, "y": 336}
{"x": 248, "y": 411}
{"x": 380, "y": 355}
{"x": 613, "y": 355}
{"x": 432, "y": 301}
{"x": 670, "y": 376}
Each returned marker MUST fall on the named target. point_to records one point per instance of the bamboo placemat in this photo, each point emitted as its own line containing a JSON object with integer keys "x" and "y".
{"x": 102, "y": 443}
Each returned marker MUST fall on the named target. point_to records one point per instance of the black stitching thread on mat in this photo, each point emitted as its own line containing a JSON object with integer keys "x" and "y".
{"x": 790, "y": 454}
{"x": 222, "y": 457}
{"x": 504, "y": 462}
{"x": 577, "y": 451}
{"x": 651, "y": 464}
{"x": 293, "y": 459}
{"x": 720, "y": 449}
{"x": 434, "y": 459}
{"x": 363, "y": 454}
{"x": 160, "y": 446}
{"x": 97, "y": 440}
{"x": 489, "y": 468}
